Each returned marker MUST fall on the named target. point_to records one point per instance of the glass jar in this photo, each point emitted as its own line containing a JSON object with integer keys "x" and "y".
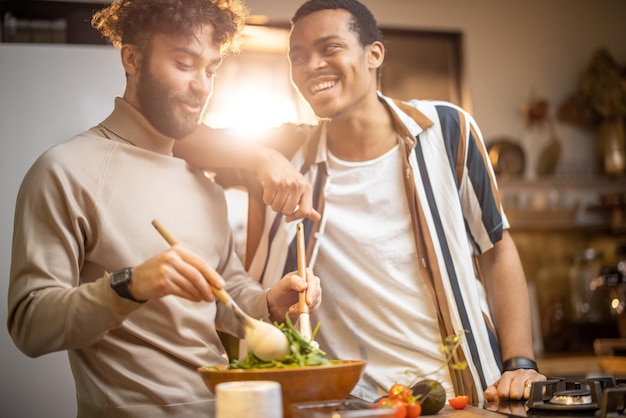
{"x": 552, "y": 290}
{"x": 587, "y": 301}
{"x": 591, "y": 315}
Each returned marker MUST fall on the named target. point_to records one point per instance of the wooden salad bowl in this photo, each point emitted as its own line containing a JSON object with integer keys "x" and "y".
{"x": 299, "y": 384}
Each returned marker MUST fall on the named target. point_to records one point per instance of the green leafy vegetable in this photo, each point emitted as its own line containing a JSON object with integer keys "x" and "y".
{"x": 301, "y": 352}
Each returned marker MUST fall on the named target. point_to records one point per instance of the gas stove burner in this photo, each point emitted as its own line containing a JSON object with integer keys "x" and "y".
{"x": 613, "y": 403}
{"x": 599, "y": 397}
{"x": 559, "y": 395}
{"x": 571, "y": 397}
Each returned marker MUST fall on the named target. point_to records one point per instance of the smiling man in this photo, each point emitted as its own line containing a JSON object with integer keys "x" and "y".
{"x": 413, "y": 243}
{"x": 90, "y": 274}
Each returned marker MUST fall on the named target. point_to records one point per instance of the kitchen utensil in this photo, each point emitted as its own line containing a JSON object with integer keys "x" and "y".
{"x": 305, "y": 320}
{"x": 507, "y": 158}
{"x": 266, "y": 341}
{"x": 299, "y": 384}
{"x": 550, "y": 156}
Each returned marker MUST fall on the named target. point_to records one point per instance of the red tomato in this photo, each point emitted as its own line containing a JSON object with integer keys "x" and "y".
{"x": 459, "y": 402}
{"x": 397, "y": 404}
{"x": 400, "y": 407}
{"x": 383, "y": 403}
{"x": 413, "y": 410}
{"x": 399, "y": 391}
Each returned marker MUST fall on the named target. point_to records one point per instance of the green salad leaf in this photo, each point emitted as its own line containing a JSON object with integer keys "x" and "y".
{"x": 301, "y": 352}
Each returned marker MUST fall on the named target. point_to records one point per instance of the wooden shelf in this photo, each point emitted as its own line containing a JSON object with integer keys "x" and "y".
{"x": 561, "y": 204}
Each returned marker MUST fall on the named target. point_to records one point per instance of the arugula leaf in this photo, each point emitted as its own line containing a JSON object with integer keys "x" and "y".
{"x": 301, "y": 352}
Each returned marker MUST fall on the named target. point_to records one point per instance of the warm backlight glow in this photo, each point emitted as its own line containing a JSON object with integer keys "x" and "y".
{"x": 252, "y": 91}
{"x": 252, "y": 108}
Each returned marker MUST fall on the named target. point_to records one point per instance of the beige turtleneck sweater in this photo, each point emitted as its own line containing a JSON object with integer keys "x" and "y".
{"x": 85, "y": 209}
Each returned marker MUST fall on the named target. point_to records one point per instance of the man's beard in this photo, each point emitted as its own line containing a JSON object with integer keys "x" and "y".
{"x": 159, "y": 107}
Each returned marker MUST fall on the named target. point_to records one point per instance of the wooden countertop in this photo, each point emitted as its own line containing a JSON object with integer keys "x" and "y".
{"x": 471, "y": 412}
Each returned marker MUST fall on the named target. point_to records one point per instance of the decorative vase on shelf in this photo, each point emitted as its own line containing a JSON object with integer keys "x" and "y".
{"x": 550, "y": 155}
{"x": 612, "y": 153}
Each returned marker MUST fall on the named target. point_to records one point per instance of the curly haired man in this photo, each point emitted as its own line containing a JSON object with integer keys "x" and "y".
{"x": 90, "y": 275}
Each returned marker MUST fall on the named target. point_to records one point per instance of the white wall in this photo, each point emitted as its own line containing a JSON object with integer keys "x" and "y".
{"x": 48, "y": 93}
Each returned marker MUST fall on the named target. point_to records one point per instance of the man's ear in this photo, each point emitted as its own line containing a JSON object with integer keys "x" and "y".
{"x": 131, "y": 59}
{"x": 376, "y": 54}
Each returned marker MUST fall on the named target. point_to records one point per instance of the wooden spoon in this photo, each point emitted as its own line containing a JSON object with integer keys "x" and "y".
{"x": 266, "y": 341}
{"x": 305, "y": 320}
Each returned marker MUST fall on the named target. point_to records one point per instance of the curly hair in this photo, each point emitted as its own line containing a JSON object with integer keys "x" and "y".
{"x": 362, "y": 21}
{"x": 136, "y": 21}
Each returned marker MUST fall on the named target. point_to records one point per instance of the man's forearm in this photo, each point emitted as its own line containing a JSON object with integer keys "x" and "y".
{"x": 508, "y": 298}
{"x": 276, "y": 181}
{"x": 209, "y": 148}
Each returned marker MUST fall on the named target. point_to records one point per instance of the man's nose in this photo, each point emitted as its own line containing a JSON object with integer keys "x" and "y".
{"x": 202, "y": 83}
{"x": 315, "y": 62}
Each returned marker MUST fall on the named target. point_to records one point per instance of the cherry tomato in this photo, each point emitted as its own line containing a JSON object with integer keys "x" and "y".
{"x": 397, "y": 404}
{"x": 413, "y": 410}
{"x": 459, "y": 402}
{"x": 399, "y": 391}
{"x": 383, "y": 402}
{"x": 400, "y": 407}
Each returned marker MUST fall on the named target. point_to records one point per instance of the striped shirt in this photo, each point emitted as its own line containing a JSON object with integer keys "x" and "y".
{"x": 456, "y": 214}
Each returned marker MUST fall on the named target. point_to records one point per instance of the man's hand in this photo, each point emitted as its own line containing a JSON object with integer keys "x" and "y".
{"x": 177, "y": 271}
{"x": 284, "y": 188}
{"x": 514, "y": 385}
{"x": 283, "y": 296}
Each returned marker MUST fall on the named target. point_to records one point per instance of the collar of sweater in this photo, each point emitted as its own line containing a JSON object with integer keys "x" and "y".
{"x": 129, "y": 125}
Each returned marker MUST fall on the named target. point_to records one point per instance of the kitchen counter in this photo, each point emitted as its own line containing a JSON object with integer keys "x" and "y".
{"x": 475, "y": 412}
{"x": 569, "y": 364}
{"x": 501, "y": 410}
{"x": 504, "y": 409}
{"x": 447, "y": 411}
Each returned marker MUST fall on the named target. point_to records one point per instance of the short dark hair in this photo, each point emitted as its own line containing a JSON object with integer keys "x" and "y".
{"x": 362, "y": 21}
{"x": 136, "y": 21}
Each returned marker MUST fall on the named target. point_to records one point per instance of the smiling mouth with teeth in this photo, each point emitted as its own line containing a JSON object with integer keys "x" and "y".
{"x": 322, "y": 87}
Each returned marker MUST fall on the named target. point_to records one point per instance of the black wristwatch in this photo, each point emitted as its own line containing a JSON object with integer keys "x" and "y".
{"x": 119, "y": 282}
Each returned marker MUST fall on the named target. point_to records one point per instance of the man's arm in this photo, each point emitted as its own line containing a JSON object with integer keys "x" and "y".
{"x": 284, "y": 188}
{"x": 507, "y": 292}
{"x": 508, "y": 297}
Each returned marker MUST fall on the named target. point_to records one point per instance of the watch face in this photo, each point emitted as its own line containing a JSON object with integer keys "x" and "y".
{"x": 119, "y": 282}
{"x": 120, "y": 278}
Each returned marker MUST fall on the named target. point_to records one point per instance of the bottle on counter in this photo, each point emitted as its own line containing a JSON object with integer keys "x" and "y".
{"x": 615, "y": 279}
{"x": 621, "y": 256}
{"x": 552, "y": 292}
{"x": 591, "y": 315}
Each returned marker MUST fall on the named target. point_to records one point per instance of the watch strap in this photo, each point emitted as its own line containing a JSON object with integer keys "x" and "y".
{"x": 120, "y": 280}
{"x": 516, "y": 363}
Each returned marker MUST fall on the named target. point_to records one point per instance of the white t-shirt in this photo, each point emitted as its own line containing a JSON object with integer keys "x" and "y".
{"x": 370, "y": 261}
